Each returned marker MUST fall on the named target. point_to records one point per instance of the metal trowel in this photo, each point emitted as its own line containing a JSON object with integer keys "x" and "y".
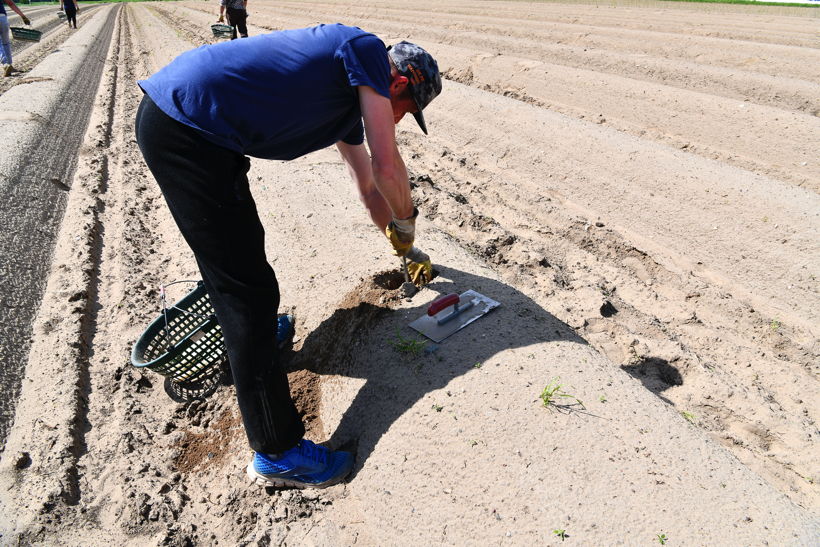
{"x": 451, "y": 313}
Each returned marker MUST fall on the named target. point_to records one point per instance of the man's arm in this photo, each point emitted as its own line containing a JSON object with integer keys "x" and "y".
{"x": 16, "y": 10}
{"x": 357, "y": 160}
{"x": 382, "y": 180}
{"x": 389, "y": 172}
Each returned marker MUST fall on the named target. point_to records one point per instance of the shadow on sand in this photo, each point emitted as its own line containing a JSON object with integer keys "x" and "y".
{"x": 358, "y": 341}
{"x": 656, "y": 374}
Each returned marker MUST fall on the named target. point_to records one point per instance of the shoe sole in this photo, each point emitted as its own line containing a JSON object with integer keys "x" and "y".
{"x": 262, "y": 480}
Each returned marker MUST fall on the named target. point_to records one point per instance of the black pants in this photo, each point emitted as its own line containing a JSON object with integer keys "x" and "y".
{"x": 237, "y": 18}
{"x": 206, "y": 188}
{"x": 71, "y": 17}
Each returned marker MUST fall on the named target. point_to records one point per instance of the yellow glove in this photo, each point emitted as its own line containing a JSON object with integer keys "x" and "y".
{"x": 401, "y": 232}
{"x": 221, "y": 19}
{"x": 419, "y": 267}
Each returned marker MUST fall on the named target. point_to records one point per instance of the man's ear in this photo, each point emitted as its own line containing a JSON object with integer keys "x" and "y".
{"x": 398, "y": 84}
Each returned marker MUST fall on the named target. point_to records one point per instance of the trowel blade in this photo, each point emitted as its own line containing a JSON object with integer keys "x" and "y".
{"x": 429, "y": 327}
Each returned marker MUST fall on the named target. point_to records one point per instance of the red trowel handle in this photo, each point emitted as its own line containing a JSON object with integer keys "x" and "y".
{"x": 442, "y": 302}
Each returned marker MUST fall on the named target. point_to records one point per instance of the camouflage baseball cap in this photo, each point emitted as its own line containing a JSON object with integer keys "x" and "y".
{"x": 422, "y": 70}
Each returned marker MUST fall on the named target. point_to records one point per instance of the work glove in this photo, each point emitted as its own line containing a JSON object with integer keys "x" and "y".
{"x": 221, "y": 19}
{"x": 419, "y": 267}
{"x": 401, "y": 232}
{"x": 26, "y": 20}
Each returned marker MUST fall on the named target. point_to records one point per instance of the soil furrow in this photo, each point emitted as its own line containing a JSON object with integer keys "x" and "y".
{"x": 33, "y": 203}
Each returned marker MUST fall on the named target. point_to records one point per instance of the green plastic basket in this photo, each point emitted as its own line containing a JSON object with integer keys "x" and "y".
{"x": 184, "y": 343}
{"x": 29, "y": 34}
{"x": 222, "y": 31}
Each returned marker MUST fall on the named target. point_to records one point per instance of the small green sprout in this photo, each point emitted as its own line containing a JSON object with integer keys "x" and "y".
{"x": 775, "y": 324}
{"x": 561, "y": 533}
{"x": 662, "y": 539}
{"x": 602, "y": 398}
{"x": 407, "y": 346}
{"x": 437, "y": 408}
{"x": 555, "y": 390}
{"x": 688, "y": 416}
{"x": 473, "y": 442}
{"x": 478, "y": 365}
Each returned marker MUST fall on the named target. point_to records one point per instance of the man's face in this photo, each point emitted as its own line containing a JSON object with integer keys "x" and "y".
{"x": 399, "y": 98}
{"x": 402, "y": 107}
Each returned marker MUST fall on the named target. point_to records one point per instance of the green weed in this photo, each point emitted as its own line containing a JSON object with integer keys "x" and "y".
{"x": 688, "y": 416}
{"x": 662, "y": 539}
{"x": 551, "y": 394}
{"x": 561, "y": 533}
{"x": 407, "y": 346}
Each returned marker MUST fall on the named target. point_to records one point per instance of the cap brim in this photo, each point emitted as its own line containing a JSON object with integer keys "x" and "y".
{"x": 420, "y": 120}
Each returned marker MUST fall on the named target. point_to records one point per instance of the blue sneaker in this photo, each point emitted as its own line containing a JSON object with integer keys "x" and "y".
{"x": 306, "y": 465}
{"x": 285, "y": 330}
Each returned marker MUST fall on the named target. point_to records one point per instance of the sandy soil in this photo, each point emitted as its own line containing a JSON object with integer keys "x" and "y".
{"x": 636, "y": 184}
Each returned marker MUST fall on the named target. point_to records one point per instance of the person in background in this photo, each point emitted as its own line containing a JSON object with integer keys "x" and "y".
{"x": 237, "y": 12}
{"x": 5, "y": 37}
{"x": 71, "y": 9}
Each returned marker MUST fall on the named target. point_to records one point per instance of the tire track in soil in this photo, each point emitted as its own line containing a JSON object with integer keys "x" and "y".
{"x": 32, "y": 208}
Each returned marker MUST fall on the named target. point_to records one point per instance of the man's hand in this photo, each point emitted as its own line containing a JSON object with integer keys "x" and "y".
{"x": 419, "y": 267}
{"x": 401, "y": 232}
{"x": 26, "y": 20}
{"x": 221, "y": 19}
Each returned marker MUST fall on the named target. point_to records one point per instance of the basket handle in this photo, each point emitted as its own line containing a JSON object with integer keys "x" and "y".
{"x": 164, "y": 306}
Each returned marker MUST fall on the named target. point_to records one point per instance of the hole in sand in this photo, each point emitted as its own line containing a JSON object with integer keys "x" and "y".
{"x": 389, "y": 280}
{"x": 393, "y": 280}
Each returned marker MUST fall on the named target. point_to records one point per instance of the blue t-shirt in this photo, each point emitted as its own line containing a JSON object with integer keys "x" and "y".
{"x": 3, "y": 7}
{"x": 275, "y": 96}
